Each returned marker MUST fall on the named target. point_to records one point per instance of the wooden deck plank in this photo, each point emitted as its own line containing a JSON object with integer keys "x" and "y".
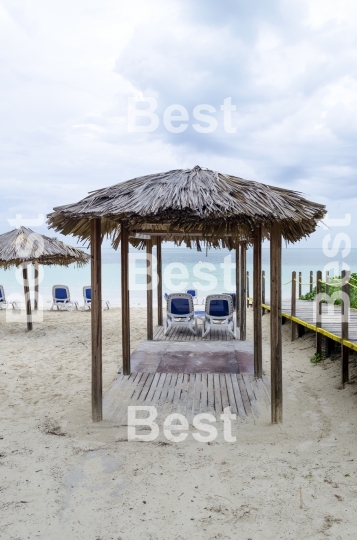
{"x": 217, "y": 395}
{"x": 224, "y": 393}
{"x": 232, "y": 401}
{"x": 252, "y": 400}
{"x": 204, "y": 392}
{"x": 197, "y": 395}
{"x": 238, "y": 396}
{"x": 244, "y": 394}
{"x": 210, "y": 392}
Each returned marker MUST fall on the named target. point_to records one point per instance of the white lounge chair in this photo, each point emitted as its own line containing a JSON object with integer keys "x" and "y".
{"x": 62, "y": 299}
{"x": 87, "y": 298}
{"x": 3, "y": 302}
{"x": 180, "y": 312}
{"x": 193, "y": 293}
{"x": 219, "y": 314}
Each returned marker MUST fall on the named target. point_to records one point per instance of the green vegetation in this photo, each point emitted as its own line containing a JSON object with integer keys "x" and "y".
{"x": 335, "y": 287}
{"x": 316, "y": 359}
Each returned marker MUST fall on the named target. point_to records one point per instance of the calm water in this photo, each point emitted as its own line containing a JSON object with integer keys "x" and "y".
{"x": 190, "y": 261}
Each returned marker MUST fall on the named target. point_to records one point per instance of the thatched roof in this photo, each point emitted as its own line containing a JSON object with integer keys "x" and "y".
{"x": 24, "y": 245}
{"x": 191, "y": 204}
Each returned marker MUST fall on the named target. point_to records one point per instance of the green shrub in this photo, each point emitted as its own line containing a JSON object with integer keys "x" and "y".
{"x": 335, "y": 288}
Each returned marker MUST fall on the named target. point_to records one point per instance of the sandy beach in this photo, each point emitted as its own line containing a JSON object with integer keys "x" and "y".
{"x": 64, "y": 477}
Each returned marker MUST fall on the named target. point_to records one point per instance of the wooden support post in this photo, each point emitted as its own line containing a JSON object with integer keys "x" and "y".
{"x": 328, "y": 346}
{"x": 300, "y": 284}
{"x": 345, "y": 311}
{"x": 263, "y": 291}
{"x": 125, "y": 305}
{"x": 293, "y": 305}
{"x": 159, "y": 281}
{"x": 149, "y": 310}
{"x": 247, "y": 289}
{"x": 311, "y": 280}
{"x": 275, "y": 325}
{"x": 327, "y": 279}
{"x": 36, "y": 273}
{"x": 27, "y": 297}
{"x": 301, "y": 330}
{"x": 257, "y": 296}
{"x": 96, "y": 319}
{"x": 238, "y": 248}
{"x": 243, "y": 293}
{"x": 318, "y": 312}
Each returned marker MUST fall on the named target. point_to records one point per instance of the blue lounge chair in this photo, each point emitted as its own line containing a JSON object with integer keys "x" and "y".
{"x": 62, "y": 298}
{"x": 180, "y": 312}
{"x": 87, "y": 298}
{"x": 193, "y": 293}
{"x": 3, "y": 302}
{"x": 219, "y": 314}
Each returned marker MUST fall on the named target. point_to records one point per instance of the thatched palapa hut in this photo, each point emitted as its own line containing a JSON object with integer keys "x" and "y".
{"x": 193, "y": 206}
{"x": 23, "y": 246}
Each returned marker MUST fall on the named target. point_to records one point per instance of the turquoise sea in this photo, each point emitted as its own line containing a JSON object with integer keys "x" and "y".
{"x": 177, "y": 261}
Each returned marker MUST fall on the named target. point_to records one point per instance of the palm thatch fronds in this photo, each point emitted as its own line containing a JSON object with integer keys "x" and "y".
{"x": 188, "y": 206}
{"x": 26, "y": 246}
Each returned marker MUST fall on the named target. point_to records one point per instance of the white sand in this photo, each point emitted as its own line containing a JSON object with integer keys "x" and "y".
{"x": 63, "y": 477}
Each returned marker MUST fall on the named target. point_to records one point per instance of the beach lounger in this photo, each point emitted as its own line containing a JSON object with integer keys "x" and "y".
{"x": 62, "y": 298}
{"x": 193, "y": 293}
{"x": 3, "y": 303}
{"x": 180, "y": 312}
{"x": 219, "y": 314}
{"x": 87, "y": 298}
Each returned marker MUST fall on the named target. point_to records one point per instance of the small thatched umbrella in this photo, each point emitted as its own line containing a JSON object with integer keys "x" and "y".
{"x": 23, "y": 246}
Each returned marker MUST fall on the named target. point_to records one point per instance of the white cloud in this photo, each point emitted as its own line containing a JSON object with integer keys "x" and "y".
{"x": 67, "y": 69}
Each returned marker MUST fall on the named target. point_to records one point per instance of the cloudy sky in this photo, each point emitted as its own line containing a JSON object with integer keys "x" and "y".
{"x": 68, "y": 69}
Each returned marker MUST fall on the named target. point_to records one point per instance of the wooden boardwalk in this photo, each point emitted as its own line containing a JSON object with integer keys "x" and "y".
{"x": 305, "y": 315}
{"x": 184, "y": 334}
{"x": 187, "y": 394}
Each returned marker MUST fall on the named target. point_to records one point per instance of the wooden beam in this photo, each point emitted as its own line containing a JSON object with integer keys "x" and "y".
{"x": 275, "y": 325}
{"x": 125, "y": 305}
{"x": 96, "y": 319}
{"x": 149, "y": 310}
{"x": 36, "y": 273}
{"x": 257, "y": 299}
{"x": 247, "y": 288}
{"x": 237, "y": 284}
{"x": 27, "y": 297}
{"x": 345, "y": 310}
{"x": 263, "y": 291}
{"x": 159, "y": 280}
{"x": 293, "y": 305}
{"x": 318, "y": 312}
{"x": 243, "y": 293}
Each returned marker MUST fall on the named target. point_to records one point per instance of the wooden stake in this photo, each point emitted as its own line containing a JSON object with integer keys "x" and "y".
{"x": 159, "y": 280}
{"x": 238, "y": 285}
{"x": 125, "y": 305}
{"x": 96, "y": 320}
{"x": 346, "y": 291}
{"x": 318, "y": 312}
{"x": 275, "y": 325}
{"x": 243, "y": 293}
{"x": 311, "y": 280}
{"x": 27, "y": 297}
{"x": 300, "y": 284}
{"x": 293, "y": 305}
{"x": 36, "y": 273}
{"x": 327, "y": 286}
{"x": 257, "y": 296}
{"x": 149, "y": 310}
{"x": 263, "y": 291}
